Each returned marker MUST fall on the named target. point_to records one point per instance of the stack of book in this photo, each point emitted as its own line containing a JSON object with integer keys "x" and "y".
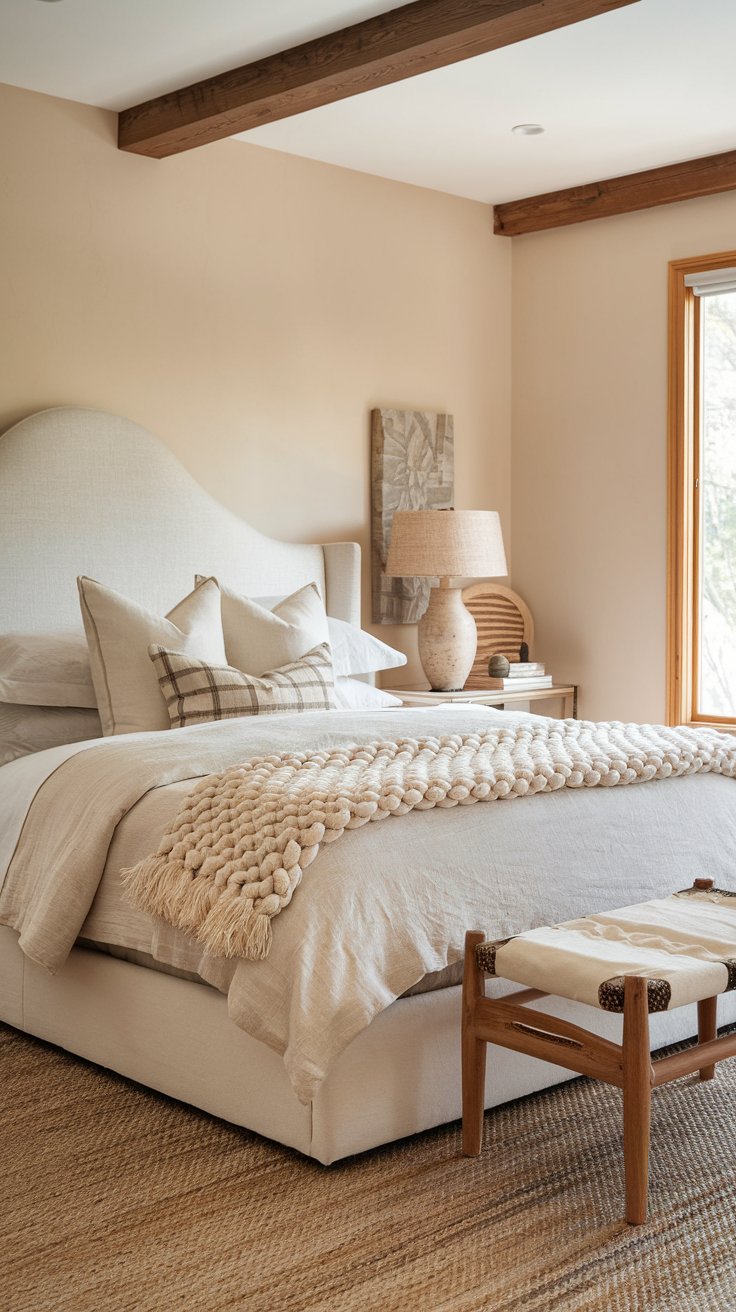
{"x": 523, "y": 676}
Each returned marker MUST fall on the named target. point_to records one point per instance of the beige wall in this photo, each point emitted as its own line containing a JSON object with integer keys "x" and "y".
{"x": 590, "y": 444}
{"x": 250, "y": 308}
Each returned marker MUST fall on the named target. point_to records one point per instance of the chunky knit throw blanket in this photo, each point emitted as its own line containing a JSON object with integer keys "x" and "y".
{"x": 239, "y": 846}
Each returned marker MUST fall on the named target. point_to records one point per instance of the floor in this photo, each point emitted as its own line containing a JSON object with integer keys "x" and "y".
{"x": 115, "y": 1198}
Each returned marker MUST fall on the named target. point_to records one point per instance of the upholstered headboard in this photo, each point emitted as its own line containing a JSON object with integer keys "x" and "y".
{"x": 84, "y": 492}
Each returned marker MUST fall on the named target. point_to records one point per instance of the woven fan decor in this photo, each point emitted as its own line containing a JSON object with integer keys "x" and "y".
{"x": 503, "y": 620}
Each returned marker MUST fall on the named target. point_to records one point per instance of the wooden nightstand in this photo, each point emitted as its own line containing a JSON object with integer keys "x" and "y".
{"x": 567, "y": 693}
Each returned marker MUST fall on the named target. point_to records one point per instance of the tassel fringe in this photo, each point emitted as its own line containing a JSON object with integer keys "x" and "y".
{"x": 223, "y": 921}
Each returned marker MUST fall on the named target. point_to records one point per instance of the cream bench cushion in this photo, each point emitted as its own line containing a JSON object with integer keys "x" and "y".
{"x": 684, "y": 945}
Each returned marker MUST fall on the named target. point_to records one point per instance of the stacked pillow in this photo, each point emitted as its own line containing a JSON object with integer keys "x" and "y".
{"x": 119, "y": 633}
{"x": 196, "y": 693}
{"x": 265, "y": 633}
{"x": 46, "y": 694}
{"x": 205, "y": 660}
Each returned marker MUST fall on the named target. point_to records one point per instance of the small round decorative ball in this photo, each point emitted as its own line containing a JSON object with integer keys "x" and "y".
{"x": 498, "y": 667}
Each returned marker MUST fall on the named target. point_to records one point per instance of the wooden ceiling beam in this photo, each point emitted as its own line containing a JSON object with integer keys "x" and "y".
{"x": 635, "y": 191}
{"x": 413, "y": 39}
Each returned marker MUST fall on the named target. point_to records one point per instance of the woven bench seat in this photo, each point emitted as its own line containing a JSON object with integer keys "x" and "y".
{"x": 653, "y": 956}
{"x": 683, "y": 945}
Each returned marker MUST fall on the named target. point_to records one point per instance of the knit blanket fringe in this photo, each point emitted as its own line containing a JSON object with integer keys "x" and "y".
{"x": 238, "y": 848}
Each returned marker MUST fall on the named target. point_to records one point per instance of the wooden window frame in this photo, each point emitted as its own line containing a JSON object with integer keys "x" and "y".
{"x": 683, "y": 562}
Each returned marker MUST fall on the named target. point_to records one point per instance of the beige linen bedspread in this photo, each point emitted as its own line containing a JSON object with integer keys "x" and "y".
{"x": 353, "y": 941}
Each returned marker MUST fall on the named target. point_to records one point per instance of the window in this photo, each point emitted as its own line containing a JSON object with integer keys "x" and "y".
{"x": 702, "y": 564}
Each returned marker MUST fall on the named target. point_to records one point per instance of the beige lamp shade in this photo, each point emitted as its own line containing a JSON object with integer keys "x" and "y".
{"x": 446, "y": 544}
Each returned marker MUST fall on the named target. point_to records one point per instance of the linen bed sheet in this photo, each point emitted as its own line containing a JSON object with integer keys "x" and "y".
{"x": 351, "y": 941}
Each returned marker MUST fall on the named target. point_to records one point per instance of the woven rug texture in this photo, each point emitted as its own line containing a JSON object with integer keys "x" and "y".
{"x": 113, "y": 1198}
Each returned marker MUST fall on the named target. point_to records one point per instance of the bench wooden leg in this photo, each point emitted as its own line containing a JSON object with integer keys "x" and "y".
{"x": 707, "y": 1030}
{"x": 474, "y": 1051}
{"x": 637, "y": 1080}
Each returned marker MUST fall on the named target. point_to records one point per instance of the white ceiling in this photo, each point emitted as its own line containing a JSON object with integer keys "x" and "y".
{"x": 646, "y": 85}
{"x": 117, "y": 53}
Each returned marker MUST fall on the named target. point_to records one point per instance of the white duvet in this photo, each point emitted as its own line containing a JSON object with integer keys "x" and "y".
{"x": 352, "y": 941}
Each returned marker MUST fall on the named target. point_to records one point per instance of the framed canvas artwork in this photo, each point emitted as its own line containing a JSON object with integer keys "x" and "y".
{"x": 412, "y": 468}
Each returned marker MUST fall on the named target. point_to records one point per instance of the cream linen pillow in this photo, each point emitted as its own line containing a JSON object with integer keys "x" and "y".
{"x": 196, "y": 692}
{"x": 119, "y": 633}
{"x": 258, "y": 639}
{"x": 269, "y": 632}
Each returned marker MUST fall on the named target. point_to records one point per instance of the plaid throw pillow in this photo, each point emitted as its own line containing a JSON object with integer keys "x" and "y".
{"x": 195, "y": 692}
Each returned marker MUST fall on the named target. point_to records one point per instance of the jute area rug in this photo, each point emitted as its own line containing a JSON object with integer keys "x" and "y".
{"x": 115, "y": 1198}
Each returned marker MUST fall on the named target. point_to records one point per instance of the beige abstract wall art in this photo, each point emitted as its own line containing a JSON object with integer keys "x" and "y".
{"x": 412, "y": 468}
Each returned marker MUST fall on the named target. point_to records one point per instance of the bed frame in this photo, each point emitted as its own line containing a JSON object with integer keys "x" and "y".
{"x": 82, "y": 492}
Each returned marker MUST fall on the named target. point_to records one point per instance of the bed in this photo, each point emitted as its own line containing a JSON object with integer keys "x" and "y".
{"x": 82, "y": 492}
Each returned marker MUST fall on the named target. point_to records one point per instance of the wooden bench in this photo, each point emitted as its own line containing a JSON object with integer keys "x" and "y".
{"x": 654, "y": 956}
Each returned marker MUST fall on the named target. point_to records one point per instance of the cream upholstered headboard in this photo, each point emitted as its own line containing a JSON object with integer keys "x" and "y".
{"x": 84, "y": 492}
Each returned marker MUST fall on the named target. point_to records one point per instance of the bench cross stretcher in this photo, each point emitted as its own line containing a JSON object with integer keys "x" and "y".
{"x": 653, "y": 956}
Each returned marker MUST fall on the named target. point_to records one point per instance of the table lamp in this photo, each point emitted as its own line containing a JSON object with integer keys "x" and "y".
{"x": 446, "y": 544}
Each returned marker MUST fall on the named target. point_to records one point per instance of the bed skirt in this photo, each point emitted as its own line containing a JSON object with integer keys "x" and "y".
{"x": 399, "y": 1077}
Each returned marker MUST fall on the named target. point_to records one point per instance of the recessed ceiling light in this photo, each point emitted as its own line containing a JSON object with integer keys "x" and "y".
{"x": 528, "y": 129}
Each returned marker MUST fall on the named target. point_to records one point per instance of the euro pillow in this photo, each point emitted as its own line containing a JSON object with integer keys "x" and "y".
{"x": 45, "y": 669}
{"x": 248, "y": 622}
{"x": 259, "y": 638}
{"x": 119, "y": 633}
{"x": 352, "y": 695}
{"x": 27, "y": 729}
{"x": 195, "y": 692}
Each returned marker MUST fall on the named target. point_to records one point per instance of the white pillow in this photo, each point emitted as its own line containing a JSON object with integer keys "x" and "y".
{"x": 353, "y": 650}
{"x": 352, "y": 695}
{"x": 45, "y": 669}
{"x": 119, "y": 633}
{"x": 356, "y": 652}
{"x": 26, "y": 729}
{"x": 258, "y": 638}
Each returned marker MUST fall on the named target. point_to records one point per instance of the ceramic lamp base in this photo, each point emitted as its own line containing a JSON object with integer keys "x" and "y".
{"x": 448, "y": 639}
